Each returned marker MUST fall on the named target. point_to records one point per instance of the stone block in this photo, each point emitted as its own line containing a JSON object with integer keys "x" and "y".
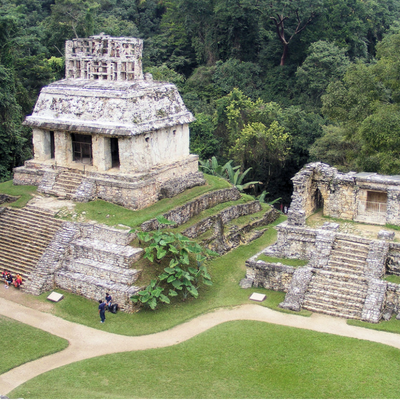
{"x": 258, "y": 297}
{"x": 385, "y": 235}
{"x": 55, "y": 297}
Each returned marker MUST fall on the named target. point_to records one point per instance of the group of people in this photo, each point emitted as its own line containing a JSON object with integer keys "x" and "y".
{"x": 103, "y": 306}
{"x": 10, "y": 280}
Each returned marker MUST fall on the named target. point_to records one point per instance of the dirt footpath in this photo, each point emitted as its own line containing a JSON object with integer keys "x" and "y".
{"x": 87, "y": 342}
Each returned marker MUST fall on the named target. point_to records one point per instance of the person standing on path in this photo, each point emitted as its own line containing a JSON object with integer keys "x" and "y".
{"x": 102, "y": 311}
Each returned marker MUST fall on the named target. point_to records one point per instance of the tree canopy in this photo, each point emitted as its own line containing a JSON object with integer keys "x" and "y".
{"x": 273, "y": 85}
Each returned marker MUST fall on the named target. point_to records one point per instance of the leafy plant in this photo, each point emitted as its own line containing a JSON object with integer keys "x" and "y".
{"x": 180, "y": 276}
{"x": 233, "y": 174}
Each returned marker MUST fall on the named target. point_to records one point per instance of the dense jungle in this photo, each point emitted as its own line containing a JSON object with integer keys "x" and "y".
{"x": 272, "y": 84}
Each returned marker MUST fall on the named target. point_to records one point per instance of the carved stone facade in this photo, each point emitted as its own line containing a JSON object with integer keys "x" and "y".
{"x": 109, "y": 125}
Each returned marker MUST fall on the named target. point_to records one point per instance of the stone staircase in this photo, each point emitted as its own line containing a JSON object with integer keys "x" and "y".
{"x": 66, "y": 184}
{"x": 24, "y": 235}
{"x": 340, "y": 288}
{"x": 94, "y": 266}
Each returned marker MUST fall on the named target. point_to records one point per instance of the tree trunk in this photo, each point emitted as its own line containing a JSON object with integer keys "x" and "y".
{"x": 284, "y": 54}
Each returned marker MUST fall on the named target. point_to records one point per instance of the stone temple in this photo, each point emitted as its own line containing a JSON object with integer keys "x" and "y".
{"x": 107, "y": 131}
{"x": 343, "y": 274}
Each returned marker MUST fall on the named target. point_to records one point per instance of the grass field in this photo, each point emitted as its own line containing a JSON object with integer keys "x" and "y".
{"x": 24, "y": 193}
{"x": 285, "y": 261}
{"x": 226, "y": 272}
{"x": 240, "y": 359}
{"x": 21, "y": 343}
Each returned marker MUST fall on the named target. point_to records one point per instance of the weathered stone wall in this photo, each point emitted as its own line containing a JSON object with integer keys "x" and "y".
{"x": 393, "y": 259}
{"x": 42, "y": 277}
{"x": 393, "y": 298}
{"x": 94, "y": 289}
{"x": 293, "y": 242}
{"x": 173, "y": 187}
{"x": 131, "y": 191}
{"x": 273, "y": 276}
{"x": 142, "y": 152}
{"x": 343, "y": 195}
{"x": 182, "y": 214}
{"x": 226, "y": 215}
{"x": 106, "y": 233}
{"x": 5, "y": 198}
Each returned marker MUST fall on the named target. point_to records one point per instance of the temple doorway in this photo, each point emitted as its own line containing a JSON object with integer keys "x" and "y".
{"x": 318, "y": 200}
{"x": 82, "y": 148}
{"x": 114, "y": 152}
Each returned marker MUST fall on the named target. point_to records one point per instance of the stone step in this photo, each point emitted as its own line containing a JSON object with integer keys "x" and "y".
{"x": 347, "y": 258}
{"x": 333, "y": 312}
{"x": 353, "y": 241}
{"x": 339, "y": 303}
{"x": 29, "y": 217}
{"x": 24, "y": 236}
{"x": 109, "y": 253}
{"x": 362, "y": 252}
{"x": 319, "y": 283}
{"x": 95, "y": 288}
{"x": 23, "y": 249}
{"x": 103, "y": 271}
{"x": 20, "y": 230}
{"x": 20, "y": 236}
{"x": 339, "y": 276}
{"x": 16, "y": 258}
{"x": 344, "y": 269}
{"x": 348, "y": 294}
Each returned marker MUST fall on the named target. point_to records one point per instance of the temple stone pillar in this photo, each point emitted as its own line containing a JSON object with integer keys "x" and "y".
{"x": 101, "y": 148}
{"x": 62, "y": 148}
{"x": 41, "y": 144}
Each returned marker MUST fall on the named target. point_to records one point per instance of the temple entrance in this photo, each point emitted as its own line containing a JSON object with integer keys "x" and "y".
{"x": 318, "y": 200}
{"x": 114, "y": 152}
{"x": 82, "y": 148}
{"x": 52, "y": 146}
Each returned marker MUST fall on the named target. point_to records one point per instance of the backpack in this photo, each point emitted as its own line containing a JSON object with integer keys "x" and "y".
{"x": 114, "y": 308}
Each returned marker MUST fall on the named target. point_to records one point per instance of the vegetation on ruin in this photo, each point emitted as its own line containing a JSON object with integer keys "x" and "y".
{"x": 22, "y": 343}
{"x": 112, "y": 214}
{"x": 392, "y": 278}
{"x": 239, "y": 359}
{"x": 226, "y": 271}
{"x": 24, "y": 193}
{"x": 183, "y": 272}
{"x": 285, "y": 261}
{"x": 305, "y": 80}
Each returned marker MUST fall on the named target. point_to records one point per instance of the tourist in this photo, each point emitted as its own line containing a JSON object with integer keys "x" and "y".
{"x": 102, "y": 311}
{"x": 108, "y": 301}
{"x": 17, "y": 281}
{"x": 8, "y": 280}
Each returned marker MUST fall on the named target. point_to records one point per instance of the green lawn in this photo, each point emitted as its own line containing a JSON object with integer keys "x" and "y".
{"x": 22, "y": 343}
{"x": 285, "y": 261}
{"x": 25, "y": 192}
{"x": 240, "y": 359}
{"x": 112, "y": 214}
{"x": 226, "y": 272}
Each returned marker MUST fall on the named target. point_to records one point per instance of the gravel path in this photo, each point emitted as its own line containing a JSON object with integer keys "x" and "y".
{"x": 87, "y": 342}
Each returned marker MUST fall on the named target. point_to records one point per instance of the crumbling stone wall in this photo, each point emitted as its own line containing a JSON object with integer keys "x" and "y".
{"x": 273, "y": 276}
{"x": 343, "y": 196}
{"x": 182, "y": 214}
{"x": 5, "y": 198}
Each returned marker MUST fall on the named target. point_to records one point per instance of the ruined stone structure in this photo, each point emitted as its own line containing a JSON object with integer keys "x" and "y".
{"x": 343, "y": 276}
{"x": 107, "y": 131}
{"x": 361, "y": 197}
